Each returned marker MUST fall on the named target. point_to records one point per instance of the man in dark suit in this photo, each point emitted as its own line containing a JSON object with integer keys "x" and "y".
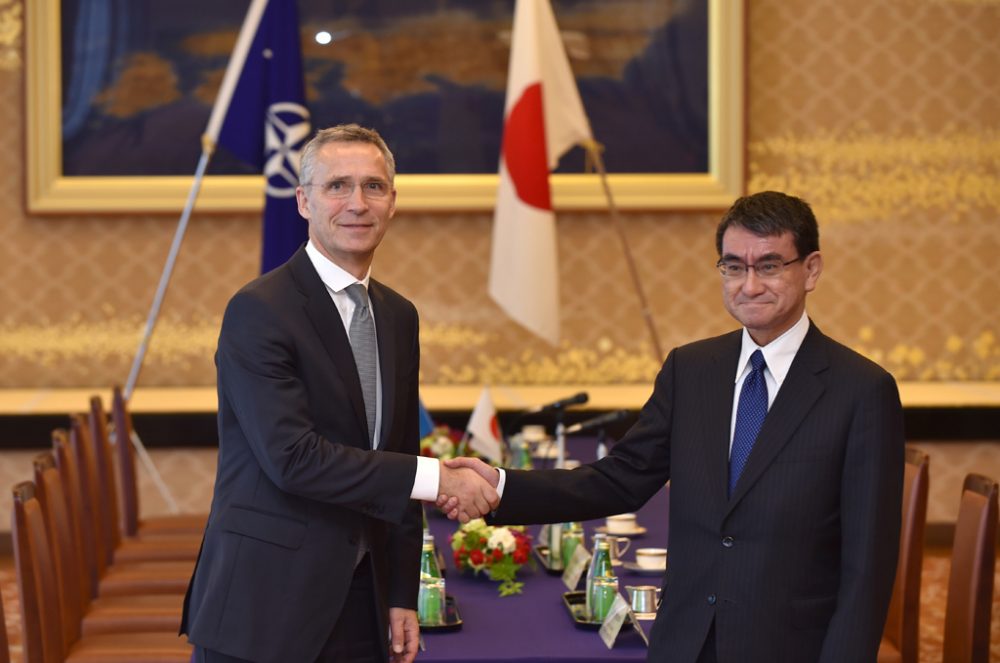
{"x": 785, "y": 455}
{"x": 311, "y": 552}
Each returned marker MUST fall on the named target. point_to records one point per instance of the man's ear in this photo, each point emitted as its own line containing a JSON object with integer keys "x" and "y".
{"x": 814, "y": 267}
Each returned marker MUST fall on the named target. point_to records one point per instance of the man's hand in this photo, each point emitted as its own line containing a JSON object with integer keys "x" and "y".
{"x": 450, "y": 503}
{"x": 465, "y": 489}
{"x": 405, "y": 632}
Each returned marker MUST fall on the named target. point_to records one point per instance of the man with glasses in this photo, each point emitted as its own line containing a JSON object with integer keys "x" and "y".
{"x": 312, "y": 548}
{"x": 785, "y": 454}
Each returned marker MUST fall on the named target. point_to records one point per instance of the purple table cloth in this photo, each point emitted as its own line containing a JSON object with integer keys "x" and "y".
{"x": 535, "y": 626}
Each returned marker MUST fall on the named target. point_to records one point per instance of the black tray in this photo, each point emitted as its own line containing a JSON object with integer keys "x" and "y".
{"x": 576, "y": 604}
{"x": 542, "y": 553}
{"x": 452, "y": 619}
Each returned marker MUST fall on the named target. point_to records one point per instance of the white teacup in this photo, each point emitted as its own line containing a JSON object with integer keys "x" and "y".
{"x": 618, "y": 546}
{"x": 533, "y": 433}
{"x": 623, "y": 523}
{"x": 651, "y": 558}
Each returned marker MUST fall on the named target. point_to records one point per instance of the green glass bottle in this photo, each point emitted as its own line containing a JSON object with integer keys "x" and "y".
{"x": 572, "y": 536}
{"x": 428, "y": 559}
{"x": 600, "y": 567}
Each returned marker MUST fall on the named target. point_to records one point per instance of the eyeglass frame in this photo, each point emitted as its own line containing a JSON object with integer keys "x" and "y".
{"x": 721, "y": 264}
{"x": 324, "y": 188}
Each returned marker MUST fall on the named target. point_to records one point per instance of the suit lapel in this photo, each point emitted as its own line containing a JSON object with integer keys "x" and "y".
{"x": 799, "y": 392}
{"x": 325, "y": 318}
{"x": 718, "y": 385}
{"x": 385, "y": 326}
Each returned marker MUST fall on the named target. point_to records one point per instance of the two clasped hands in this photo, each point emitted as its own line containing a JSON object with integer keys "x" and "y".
{"x": 467, "y": 489}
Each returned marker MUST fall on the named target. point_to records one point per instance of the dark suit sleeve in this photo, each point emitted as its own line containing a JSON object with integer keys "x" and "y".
{"x": 260, "y": 378}
{"x": 406, "y": 538}
{"x": 871, "y": 504}
{"x": 638, "y": 466}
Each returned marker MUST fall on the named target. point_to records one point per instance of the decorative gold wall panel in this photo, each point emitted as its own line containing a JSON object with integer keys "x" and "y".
{"x": 884, "y": 113}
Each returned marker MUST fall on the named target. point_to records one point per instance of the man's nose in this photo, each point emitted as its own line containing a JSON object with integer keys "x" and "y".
{"x": 356, "y": 202}
{"x": 753, "y": 284}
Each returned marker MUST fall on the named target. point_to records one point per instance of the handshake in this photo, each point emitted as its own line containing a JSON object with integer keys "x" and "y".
{"x": 467, "y": 489}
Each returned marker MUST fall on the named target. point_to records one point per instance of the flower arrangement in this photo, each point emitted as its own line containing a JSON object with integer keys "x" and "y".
{"x": 441, "y": 442}
{"x": 501, "y": 551}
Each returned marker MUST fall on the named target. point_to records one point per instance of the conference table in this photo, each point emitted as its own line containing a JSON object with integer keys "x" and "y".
{"x": 535, "y": 626}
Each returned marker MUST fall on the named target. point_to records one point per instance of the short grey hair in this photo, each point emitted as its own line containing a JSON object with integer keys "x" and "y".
{"x": 342, "y": 133}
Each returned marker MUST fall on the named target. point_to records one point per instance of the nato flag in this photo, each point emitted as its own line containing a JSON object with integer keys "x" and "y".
{"x": 267, "y": 124}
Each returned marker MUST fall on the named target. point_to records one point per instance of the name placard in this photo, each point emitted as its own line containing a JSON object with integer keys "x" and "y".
{"x": 612, "y": 625}
{"x": 578, "y": 563}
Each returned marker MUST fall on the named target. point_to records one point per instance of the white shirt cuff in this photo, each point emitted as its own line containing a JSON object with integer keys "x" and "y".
{"x": 502, "y": 483}
{"x": 427, "y": 480}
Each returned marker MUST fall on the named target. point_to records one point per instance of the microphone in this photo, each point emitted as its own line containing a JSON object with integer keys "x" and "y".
{"x": 576, "y": 399}
{"x": 597, "y": 422}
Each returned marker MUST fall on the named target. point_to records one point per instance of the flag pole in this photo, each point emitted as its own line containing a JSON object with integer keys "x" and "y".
{"x": 209, "y": 139}
{"x": 593, "y": 149}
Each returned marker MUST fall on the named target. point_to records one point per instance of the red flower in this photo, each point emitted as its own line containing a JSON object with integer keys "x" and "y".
{"x": 458, "y": 559}
{"x": 476, "y": 557}
{"x": 482, "y": 541}
{"x": 497, "y": 555}
{"x": 520, "y": 556}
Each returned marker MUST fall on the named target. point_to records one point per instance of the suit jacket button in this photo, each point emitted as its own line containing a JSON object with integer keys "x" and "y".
{"x": 728, "y": 541}
{"x": 711, "y": 599}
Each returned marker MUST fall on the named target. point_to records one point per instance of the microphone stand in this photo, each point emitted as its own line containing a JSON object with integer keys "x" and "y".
{"x": 560, "y": 438}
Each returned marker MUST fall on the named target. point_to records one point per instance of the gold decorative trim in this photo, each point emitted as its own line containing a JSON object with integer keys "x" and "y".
{"x": 11, "y": 29}
{"x": 888, "y": 175}
{"x": 441, "y": 397}
{"x": 49, "y": 191}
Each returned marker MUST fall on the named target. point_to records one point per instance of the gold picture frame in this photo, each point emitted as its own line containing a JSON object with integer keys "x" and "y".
{"x": 52, "y": 192}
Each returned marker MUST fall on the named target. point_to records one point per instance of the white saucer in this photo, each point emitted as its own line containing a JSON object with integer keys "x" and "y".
{"x": 638, "y": 531}
{"x": 644, "y": 571}
{"x": 545, "y": 452}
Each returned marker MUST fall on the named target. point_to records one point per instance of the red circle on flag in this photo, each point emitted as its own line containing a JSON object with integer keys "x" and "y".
{"x": 524, "y": 150}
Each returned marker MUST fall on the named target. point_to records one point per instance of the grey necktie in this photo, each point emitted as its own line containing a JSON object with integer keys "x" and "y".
{"x": 362, "y": 336}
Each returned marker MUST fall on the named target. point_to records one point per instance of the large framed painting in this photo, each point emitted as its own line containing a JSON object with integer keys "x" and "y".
{"x": 119, "y": 93}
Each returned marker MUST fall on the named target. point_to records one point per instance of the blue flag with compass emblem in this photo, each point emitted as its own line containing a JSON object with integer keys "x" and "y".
{"x": 267, "y": 124}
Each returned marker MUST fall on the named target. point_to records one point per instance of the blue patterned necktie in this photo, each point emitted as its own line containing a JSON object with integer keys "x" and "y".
{"x": 750, "y": 415}
{"x": 362, "y": 337}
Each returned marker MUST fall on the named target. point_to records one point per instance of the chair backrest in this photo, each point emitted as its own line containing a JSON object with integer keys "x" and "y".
{"x": 65, "y": 557}
{"x": 970, "y": 583}
{"x": 4, "y": 642}
{"x": 126, "y": 463}
{"x": 41, "y": 626}
{"x": 106, "y": 482}
{"x": 902, "y": 624}
{"x": 69, "y": 477}
{"x": 90, "y": 497}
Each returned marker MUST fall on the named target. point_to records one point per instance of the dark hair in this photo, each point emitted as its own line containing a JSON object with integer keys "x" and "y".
{"x": 342, "y": 133}
{"x": 772, "y": 213}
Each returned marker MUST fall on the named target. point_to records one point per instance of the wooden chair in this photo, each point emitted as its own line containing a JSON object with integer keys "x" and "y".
{"x": 120, "y": 614}
{"x": 132, "y": 524}
{"x": 901, "y": 636}
{"x": 970, "y": 583}
{"x": 101, "y": 579}
{"x": 4, "y": 642}
{"x": 97, "y": 477}
{"x": 43, "y": 633}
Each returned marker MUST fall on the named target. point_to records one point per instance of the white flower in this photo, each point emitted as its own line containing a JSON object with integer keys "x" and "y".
{"x": 474, "y": 525}
{"x": 502, "y": 538}
{"x": 442, "y": 446}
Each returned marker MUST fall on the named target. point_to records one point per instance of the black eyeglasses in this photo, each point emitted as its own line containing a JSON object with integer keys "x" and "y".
{"x": 766, "y": 269}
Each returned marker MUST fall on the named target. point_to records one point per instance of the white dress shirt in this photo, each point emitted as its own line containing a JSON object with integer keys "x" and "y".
{"x": 336, "y": 280}
{"x": 778, "y": 356}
